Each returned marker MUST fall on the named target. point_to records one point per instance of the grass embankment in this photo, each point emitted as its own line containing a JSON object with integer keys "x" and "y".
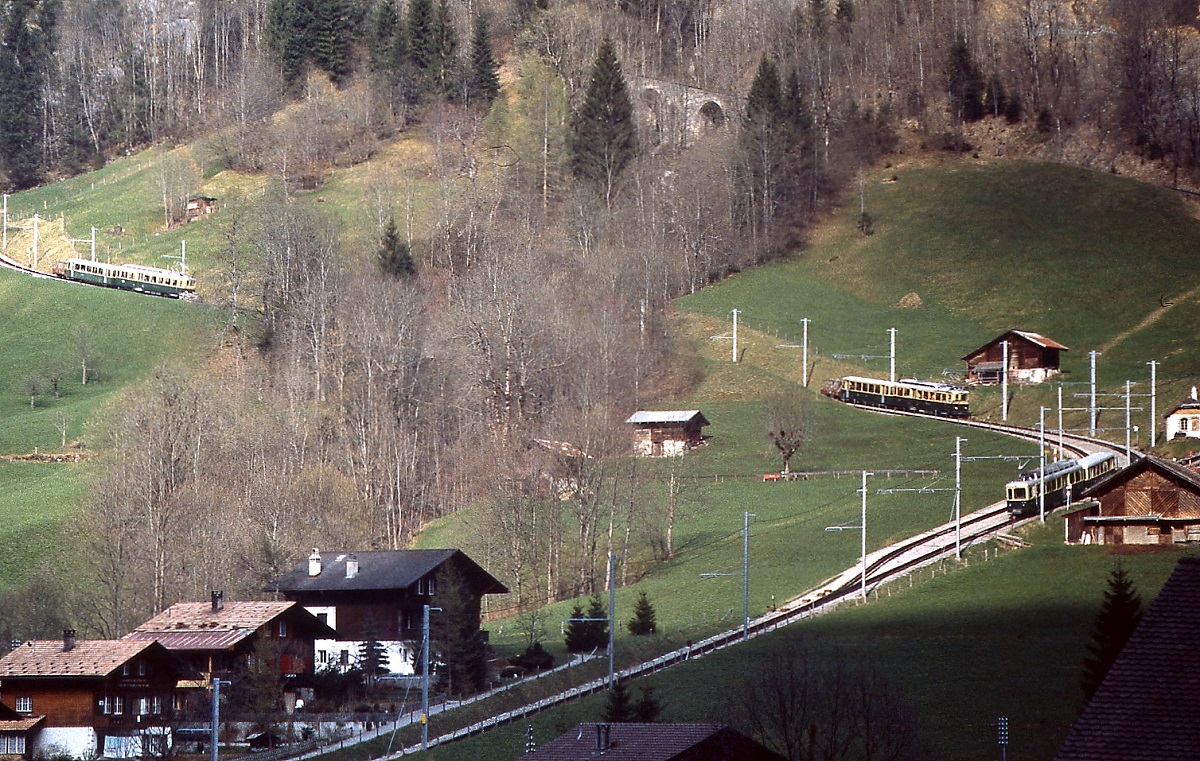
{"x": 1003, "y": 637}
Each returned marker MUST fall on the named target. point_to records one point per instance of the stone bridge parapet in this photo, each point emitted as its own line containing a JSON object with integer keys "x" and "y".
{"x": 676, "y": 114}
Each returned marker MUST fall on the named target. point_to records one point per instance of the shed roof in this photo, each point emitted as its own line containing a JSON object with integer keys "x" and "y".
{"x": 381, "y": 570}
{"x": 650, "y": 742}
{"x": 666, "y": 416}
{"x": 1145, "y": 709}
{"x": 1187, "y": 403}
{"x": 88, "y": 658}
{"x": 196, "y": 626}
{"x": 1168, "y": 468}
{"x": 1034, "y": 338}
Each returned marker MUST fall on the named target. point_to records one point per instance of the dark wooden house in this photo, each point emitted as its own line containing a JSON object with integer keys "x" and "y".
{"x": 653, "y": 742}
{"x": 1153, "y": 501}
{"x": 1032, "y": 358}
{"x": 666, "y": 433}
{"x": 218, "y": 638}
{"x": 379, "y": 596}
{"x": 97, "y": 697}
{"x": 1145, "y": 709}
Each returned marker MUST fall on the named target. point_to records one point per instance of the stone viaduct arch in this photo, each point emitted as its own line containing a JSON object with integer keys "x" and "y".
{"x": 676, "y": 114}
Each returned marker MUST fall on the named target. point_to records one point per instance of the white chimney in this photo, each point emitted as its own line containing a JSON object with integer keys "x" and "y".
{"x": 1194, "y": 393}
{"x": 314, "y": 563}
{"x": 351, "y": 567}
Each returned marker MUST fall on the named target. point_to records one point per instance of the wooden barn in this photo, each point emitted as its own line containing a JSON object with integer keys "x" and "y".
{"x": 666, "y": 433}
{"x": 1032, "y": 358}
{"x": 199, "y": 207}
{"x": 1183, "y": 420}
{"x": 1152, "y": 501}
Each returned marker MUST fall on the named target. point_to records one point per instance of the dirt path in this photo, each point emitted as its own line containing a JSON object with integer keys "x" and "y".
{"x": 1150, "y": 319}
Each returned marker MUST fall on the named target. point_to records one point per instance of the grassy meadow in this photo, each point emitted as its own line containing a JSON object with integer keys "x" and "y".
{"x": 1088, "y": 259}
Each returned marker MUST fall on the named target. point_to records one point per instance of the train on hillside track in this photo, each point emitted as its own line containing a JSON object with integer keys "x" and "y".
{"x": 1059, "y": 481}
{"x": 128, "y": 277}
{"x": 908, "y": 395}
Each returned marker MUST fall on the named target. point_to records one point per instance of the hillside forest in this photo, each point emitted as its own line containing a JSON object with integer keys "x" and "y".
{"x": 511, "y": 308}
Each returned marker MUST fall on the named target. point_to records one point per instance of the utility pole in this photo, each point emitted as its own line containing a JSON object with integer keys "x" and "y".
{"x": 892, "y": 354}
{"x": 735, "y": 312}
{"x": 804, "y": 344}
{"x": 1092, "y": 404}
{"x": 1061, "y": 448}
{"x": 4, "y": 244}
{"x": 612, "y": 614}
{"x": 216, "y": 713}
{"x": 1128, "y": 397}
{"x": 745, "y": 574}
{"x": 1153, "y": 400}
{"x": 864, "y": 535}
{"x": 958, "y": 440}
{"x": 1004, "y": 380}
{"x": 1042, "y": 461}
{"x": 425, "y": 678}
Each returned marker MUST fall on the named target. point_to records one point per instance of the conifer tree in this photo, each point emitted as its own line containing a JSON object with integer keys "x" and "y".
{"x": 763, "y": 149}
{"x": 603, "y": 137}
{"x": 445, "y": 61}
{"x": 25, "y": 53}
{"x": 456, "y": 633}
{"x": 1118, "y": 617}
{"x": 647, "y": 709}
{"x": 576, "y": 635}
{"x": 395, "y": 256}
{"x": 597, "y": 627}
{"x": 422, "y": 37}
{"x": 964, "y": 82}
{"x": 484, "y": 84}
{"x": 330, "y": 37}
{"x": 383, "y": 35}
{"x": 619, "y": 707}
{"x": 643, "y": 621}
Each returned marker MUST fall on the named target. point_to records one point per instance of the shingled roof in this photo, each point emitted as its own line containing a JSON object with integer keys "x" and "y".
{"x": 381, "y": 570}
{"x": 653, "y": 742}
{"x": 196, "y": 626}
{"x": 1145, "y": 710}
{"x": 87, "y": 658}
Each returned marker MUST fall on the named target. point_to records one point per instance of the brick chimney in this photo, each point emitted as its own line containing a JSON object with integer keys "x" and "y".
{"x": 218, "y": 601}
{"x": 314, "y": 563}
{"x": 68, "y": 639}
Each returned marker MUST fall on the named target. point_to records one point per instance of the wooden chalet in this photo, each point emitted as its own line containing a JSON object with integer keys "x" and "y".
{"x": 1032, "y": 358}
{"x": 199, "y": 207}
{"x": 1153, "y": 501}
{"x": 1183, "y": 420}
{"x": 653, "y": 742}
{"x": 1145, "y": 709}
{"x": 16, "y": 733}
{"x": 666, "y": 433}
{"x": 90, "y": 698}
{"x": 216, "y": 639}
{"x": 379, "y": 596}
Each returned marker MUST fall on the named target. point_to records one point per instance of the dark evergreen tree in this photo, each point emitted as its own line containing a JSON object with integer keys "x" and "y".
{"x": 371, "y": 652}
{"x": 28, "y": 43}
{"x": 964, "y": 83}
{"x": 647, "y": 709}
{"x": 286, "y": 33}
{"x": 383, "y": 35}
{"x": 764, "y": 102}
{"x": 619, "y": 707}
{"x": 456, "y": 635}
{"x": 330, "y": 35}
{"x": 446, "y": 68}
{"x": 1118, "y": 617}
{"x": 603, "y": 138}
{"x": 422, "y": 36}
{"x": 395, "y": 257}
{"x": 762, "y": 148}
{"x": 484, "y": 83}
{"x": 576, "y": 635}
{"x": 643, "y": 621}
{"x": 597, "y": 626}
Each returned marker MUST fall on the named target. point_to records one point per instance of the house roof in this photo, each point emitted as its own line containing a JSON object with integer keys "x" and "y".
{"x": 1145, "y": 709}
{"x": 1187, "y": 403}
{"x": 1034, "y": 338}
{"x": 196, "y": 626}
{"x": 651, "y": 742}
{"x": 1168, "y": 468}
{"x": 88, "y": 658}
{"x": 20, "y": 725}
{"x": 666, "y": 416}
{"x": 381, "y": 570}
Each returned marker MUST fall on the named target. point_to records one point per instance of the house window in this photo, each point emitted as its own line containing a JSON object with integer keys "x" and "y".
{"x": 427, "y": 586}
{"x": 283, "y": 629}
{"x": 322, "y": 656}
{"x": 156, "y": 705}
{"x": 141, "y": 668}
{"x": 323, "y": 618}
{"x": 143, "y": 706}
{"x": 117, "y": 705}
{"x": 1183, "y": 423}
{"x": 124, "y": 669}
{"x": 12, "y": 745}
{"x": 24, "y": 704}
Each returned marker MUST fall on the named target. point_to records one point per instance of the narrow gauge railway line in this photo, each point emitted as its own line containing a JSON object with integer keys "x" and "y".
{"x": 12, "y": 264}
